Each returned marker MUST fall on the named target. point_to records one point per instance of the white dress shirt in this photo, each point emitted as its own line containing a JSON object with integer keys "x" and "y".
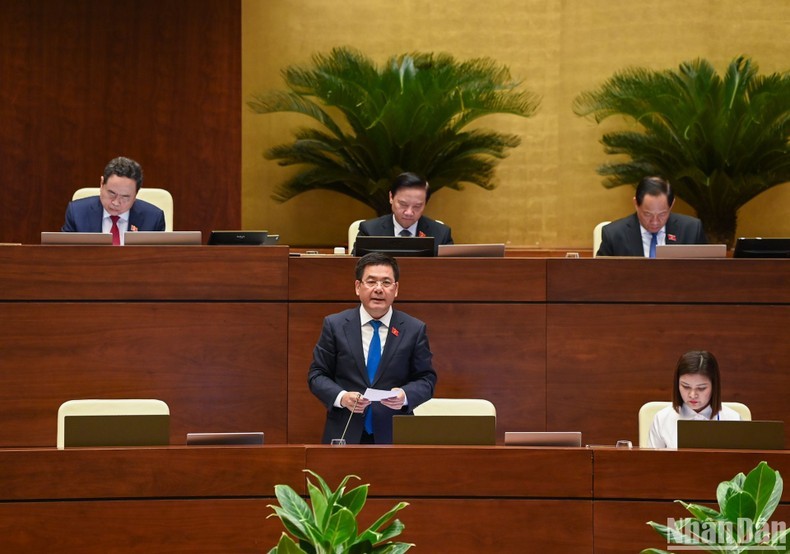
{"x": 647, "y": 238}
{"x": 398, "y": 228}
{"x": 367, "y": 336}
{"x": 123, "y": 223}
{"x": 664, "y": 431}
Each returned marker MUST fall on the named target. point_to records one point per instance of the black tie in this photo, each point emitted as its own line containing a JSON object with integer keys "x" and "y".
{"x": 405, "y": 233}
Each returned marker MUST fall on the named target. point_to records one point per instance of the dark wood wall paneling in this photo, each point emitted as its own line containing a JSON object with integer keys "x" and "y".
{"x": 87, "y": 80}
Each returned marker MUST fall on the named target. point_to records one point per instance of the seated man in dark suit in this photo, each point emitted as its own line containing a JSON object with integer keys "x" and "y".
{"x": 409, "y": 195}
{"x": 116, "y": 210}
{"x": 374, "y": 346}
{"x": 653, "y": 224}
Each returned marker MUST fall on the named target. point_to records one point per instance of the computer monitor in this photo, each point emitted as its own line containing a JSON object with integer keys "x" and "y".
{"x": 758, "y": 247}
{"x": 238, "y": 238}
{"x": 396, "y": 246}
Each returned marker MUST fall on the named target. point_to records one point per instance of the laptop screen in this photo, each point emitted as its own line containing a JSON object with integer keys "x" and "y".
{"x": 751, "y": 435}
{"x": 444, "y": 429}
{"x": 116, "y": 430}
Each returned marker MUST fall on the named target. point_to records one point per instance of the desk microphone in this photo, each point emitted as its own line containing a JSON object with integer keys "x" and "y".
{"x": 343, "y": 436}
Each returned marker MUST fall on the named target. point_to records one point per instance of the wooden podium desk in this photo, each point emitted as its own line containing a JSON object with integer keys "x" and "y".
{"x": 214, "y": 499}
{"x": 486, "y": 323}
{"x": 632, "y": 487}
{"x": 225, "y": 335}
{"x": 170, "y": 499}
{"x": 201, "y": 328}
{"x": 461, "y": 499}
{"x": 615, "y": 329}
{"x": 474, "y": 499}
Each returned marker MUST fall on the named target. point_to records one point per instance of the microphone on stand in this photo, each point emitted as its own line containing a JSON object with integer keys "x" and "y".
{"x": 342, "y": 440}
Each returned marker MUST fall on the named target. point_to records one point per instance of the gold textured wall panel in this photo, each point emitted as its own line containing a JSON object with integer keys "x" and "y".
{"x": 549, "y": 194}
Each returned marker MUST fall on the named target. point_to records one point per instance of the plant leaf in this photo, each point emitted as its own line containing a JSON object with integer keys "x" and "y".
{"x": 286, "y": 545}
{"x": 765, "y": 486}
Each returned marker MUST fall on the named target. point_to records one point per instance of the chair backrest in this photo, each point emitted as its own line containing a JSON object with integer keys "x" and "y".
{"x": 649, "y": 410}
{"x": 113, "y": 406}
{"x": 160, "y": 198}
{"x": 353, "y": 231}
{"x": 455, "y": 407}
{"x": 597, "y": 236}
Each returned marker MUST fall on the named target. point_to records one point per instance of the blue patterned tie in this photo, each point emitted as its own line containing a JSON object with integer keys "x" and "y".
{"x": 374, "y": 357}
{"x": 653, "y": 244}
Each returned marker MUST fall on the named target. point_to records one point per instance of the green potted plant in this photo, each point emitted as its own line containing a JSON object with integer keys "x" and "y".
{"x": 741, "y": 524}
{"x": 720, "y": 140}
{"x": 330, "y": 526}
{"x": 412, "y": 114}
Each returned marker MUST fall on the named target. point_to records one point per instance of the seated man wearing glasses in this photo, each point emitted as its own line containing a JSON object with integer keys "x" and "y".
{"x": 116, "y": 210}
{"x": 371, "y": 346}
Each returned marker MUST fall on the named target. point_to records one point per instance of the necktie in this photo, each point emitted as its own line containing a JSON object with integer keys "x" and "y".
{"x": 374, "y": 357}
{"x": 653, "y": 244}
{"x": 116, "y": 234}
{"x": 405, "y": 233}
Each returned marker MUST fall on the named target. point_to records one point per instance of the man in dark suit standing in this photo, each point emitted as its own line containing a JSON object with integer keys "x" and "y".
{"x": 116, "y": 210}
{"x": 371, "y": 346}
{"x": 409, "y": 194}
{"x": 652, "y": 225}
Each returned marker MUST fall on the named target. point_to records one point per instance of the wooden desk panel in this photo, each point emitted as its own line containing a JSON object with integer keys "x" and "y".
{"x": 496, "y": 525}
{"x": 621, "y": 527}
{"x": 330, "y": 278}
{"x": 219, "y": 366}
{"x": 657, "y": 281}
{"x": 648, "y": 474}
{"x": 139, "y": 473}
{"x": 469, "y": 357}
{"x": 89, "y": 273}
{"x": 206, "y": 526}
{"x": 450, "y": 471}
{"x": 605, "y": 360}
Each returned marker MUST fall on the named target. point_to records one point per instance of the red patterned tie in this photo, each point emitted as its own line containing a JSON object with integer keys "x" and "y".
{"x": 116, "y": 234}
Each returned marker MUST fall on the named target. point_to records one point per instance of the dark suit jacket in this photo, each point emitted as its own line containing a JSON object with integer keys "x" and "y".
{"x": 384, "y": 227}
{"x": 624, "y": 237}
{"x": 339, "y": 364}
{"x": 85, "y": 215}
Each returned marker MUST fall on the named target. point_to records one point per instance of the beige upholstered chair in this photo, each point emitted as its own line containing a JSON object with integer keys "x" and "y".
{"x": 597, "y": 236}
{"x": 455, "y": 407}
{"x": 160, "y": 198}
{"x": 115, "y": 406}
{"x": 649, "y": 410}
{"x": 353, "y": 230}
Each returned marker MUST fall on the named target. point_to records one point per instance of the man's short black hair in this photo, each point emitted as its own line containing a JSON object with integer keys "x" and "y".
{"x": 377, "y": 258}
{"x": 654, "y": 186}
{"x": 410, "y": 180}
{"x": 124, "y": 167}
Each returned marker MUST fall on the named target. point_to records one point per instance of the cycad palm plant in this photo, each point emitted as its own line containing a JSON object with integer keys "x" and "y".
{"x": 720, "y": 140}
{"x": 410, "y": 115}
